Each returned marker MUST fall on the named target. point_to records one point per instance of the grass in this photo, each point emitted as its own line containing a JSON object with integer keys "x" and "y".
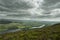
{"x": 46, "y": 33}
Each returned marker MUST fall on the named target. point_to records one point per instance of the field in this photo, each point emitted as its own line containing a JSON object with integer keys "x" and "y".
{"x": 46, "y": 33}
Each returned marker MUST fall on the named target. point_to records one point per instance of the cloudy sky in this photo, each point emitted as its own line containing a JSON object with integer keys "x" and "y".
{"x": 41, "y": 10}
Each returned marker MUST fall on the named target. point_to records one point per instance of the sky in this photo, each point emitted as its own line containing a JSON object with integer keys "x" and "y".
{"x": 40, "y": 10}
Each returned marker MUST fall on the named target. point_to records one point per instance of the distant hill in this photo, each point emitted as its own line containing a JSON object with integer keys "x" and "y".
{"x": 46, "y": 33}
{"x": 4, "y": 21}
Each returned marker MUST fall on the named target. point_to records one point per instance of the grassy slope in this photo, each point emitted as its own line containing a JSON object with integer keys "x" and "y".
{"x": 47, "y": 33}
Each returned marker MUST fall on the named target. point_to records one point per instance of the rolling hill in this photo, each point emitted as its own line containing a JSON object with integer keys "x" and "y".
{"x": 45, "y": 33}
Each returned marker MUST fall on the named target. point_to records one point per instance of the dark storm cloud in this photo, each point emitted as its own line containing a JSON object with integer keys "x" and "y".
{"x": 28, "y": 9}
{"x": 8, "y": 5}
{"x": 50, "y": 4}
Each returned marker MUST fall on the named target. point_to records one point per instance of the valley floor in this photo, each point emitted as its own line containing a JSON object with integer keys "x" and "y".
{"x": 46, "y": 33}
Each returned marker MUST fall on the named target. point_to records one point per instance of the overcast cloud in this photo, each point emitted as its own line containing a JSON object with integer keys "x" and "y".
{"x": 30, "y": 9}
